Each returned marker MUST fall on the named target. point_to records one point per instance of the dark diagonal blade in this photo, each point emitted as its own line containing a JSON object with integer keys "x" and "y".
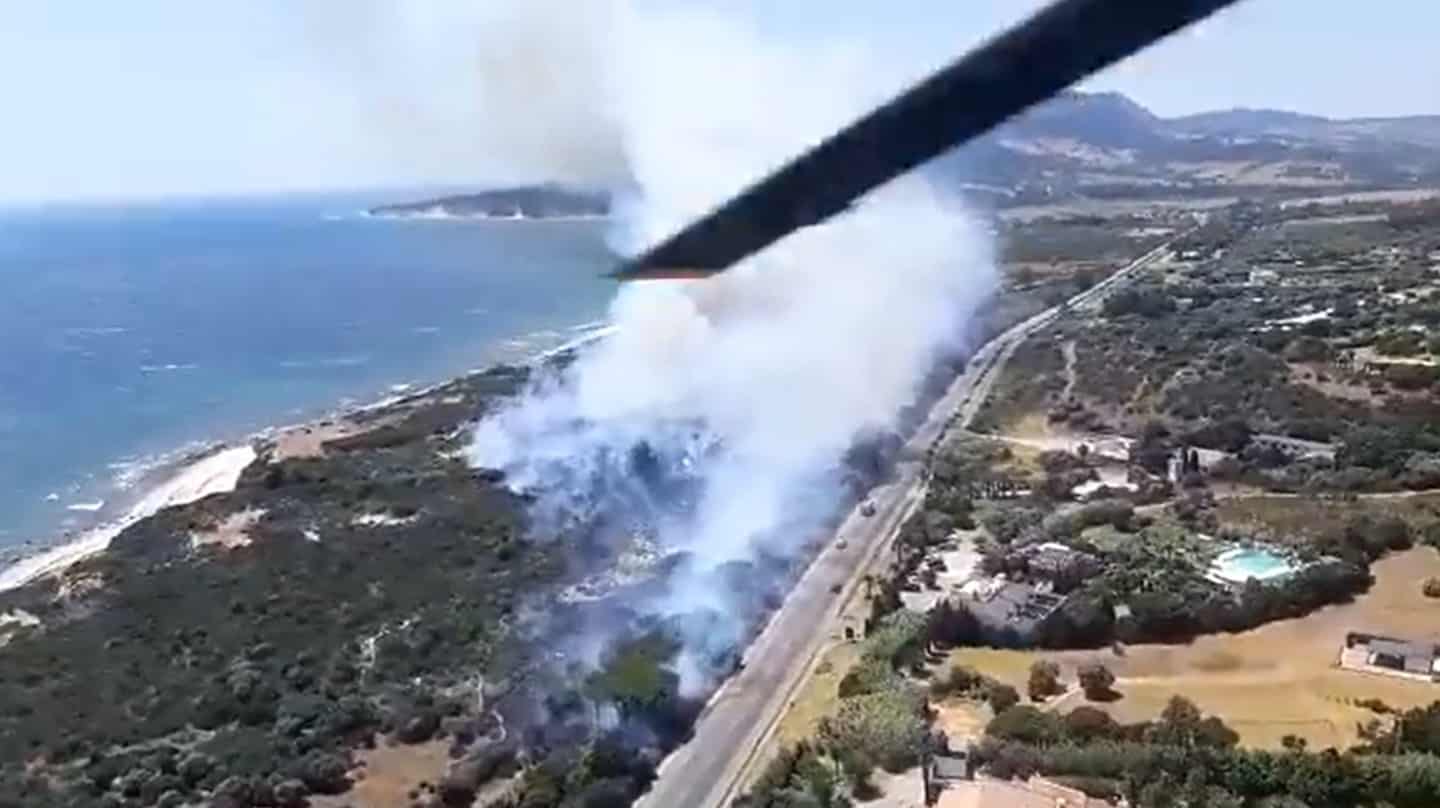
{"x": 1031, "y": 62}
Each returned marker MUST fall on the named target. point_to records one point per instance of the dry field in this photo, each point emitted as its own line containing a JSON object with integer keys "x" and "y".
{"x": 1276, "y": 680}
{"x": 1296, "y": 515}
{"x": 388, "y": 774}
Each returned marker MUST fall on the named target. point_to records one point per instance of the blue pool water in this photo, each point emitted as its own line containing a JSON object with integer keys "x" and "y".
{"x": 130, "y": 331}
{"x": 1241, "y": 564}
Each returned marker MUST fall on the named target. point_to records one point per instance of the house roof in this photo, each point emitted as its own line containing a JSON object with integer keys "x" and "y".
{"x": 1405, "y": 650}
{"x": 1416, "y": 656}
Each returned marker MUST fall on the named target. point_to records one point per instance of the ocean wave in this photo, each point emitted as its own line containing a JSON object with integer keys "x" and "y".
{"x": 97, "y": 331}
{"x": 128, "y": 472}
{"x": 219, "y": 471}
{"x": 156, "y": 472}
{"x": 326, "y": 362}
{"x": 168, "y": 368}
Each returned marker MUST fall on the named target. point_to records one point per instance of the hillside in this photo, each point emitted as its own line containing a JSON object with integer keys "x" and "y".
{"x": 1105, "y": 145}
{"x": 1099, "y": 146}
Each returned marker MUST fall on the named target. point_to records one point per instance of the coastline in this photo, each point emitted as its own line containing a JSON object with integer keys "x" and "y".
{"x": 442, "y": 215}
{"x": 219, "y": 470}
{"x": 213, "y": 474}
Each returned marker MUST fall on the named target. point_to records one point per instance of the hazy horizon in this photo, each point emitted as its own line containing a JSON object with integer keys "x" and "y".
{"x": 162, "y": 98}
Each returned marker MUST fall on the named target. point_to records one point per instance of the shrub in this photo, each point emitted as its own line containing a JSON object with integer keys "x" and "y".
{"x": 870, "y": 675}
{"x": 961, "y": 679}
{"x": 886, "y": 727}
{"x": 1096, "y": 680}
{"x": 1002, "y": 697}
{"x": 1027, "y": 724}
{"x": 1044, "y": 680}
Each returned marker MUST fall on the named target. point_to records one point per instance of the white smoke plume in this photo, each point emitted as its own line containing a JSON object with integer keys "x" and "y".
{"x": 495, "y": 91}
{"x": 752, "y": 385}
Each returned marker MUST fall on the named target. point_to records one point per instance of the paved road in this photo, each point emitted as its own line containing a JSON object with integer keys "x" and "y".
{"x": 707, "y": 772}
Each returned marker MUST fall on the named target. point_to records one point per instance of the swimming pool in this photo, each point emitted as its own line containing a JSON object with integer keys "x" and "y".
{"x": 1237, "y": 565}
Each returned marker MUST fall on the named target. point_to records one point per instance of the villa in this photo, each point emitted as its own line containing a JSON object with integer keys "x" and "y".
{"x": 1005, "y": 606}
{"x": 1371, "y": 653}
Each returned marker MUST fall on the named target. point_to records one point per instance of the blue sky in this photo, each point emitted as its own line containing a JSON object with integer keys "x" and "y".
{"x": 151, "y": 97}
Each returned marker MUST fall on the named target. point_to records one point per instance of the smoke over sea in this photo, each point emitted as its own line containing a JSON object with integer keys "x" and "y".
{"x": 716, "y": 420}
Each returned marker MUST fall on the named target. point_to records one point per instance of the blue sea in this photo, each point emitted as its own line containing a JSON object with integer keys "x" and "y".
{"x": 131, "y": 335}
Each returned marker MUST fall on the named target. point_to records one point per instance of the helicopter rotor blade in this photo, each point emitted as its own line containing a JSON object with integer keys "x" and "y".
{"x": 1040, "y": 57}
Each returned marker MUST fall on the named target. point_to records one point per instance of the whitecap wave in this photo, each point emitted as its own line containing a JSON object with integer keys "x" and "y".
{"x": 325, "y": 362}
{"x": 97, "y": 331}
{"x": 214, "y": 474}
{"x": 168, "y": 368}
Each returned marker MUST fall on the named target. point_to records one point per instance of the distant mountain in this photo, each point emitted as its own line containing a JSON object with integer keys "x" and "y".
{"x": 1421, "y": 130}
{"x": 1102, "y": 119}
{"x": 1101, "y": 146}
{"x": 1243, "y": 121}
{"x": 524, "y": 202}
{"x": 1105, "y": 145}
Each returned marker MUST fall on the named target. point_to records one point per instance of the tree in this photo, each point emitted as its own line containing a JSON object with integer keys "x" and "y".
{"x": 1006, "y": 522}
{"x": 961, "y": 679}
{"x": 951, "y": 625}
{"x": 797, "y": 776}
{"x": 1026, "y": 724}
{"x": 897, "y": 639}
{"x": 1086, "y": 723}
{"x": 1001, "y": 697}
{"x": 1309, "y": 348}
{"x": 1400, "y": 343}
{"x": 1147, "y": 301}
{"x": 1096, "y": 680}
{"x": 1151, "y": 451}
{"x": 1179, "y": 724}
{"x": 886, "y": 727}
{"x": 1231, "y": 434}
{"x": 1393, "y": 533}
{"x": 1044, "y": 680}
{"x": 635, "y": 677}
{"x": 1374, "y": 447}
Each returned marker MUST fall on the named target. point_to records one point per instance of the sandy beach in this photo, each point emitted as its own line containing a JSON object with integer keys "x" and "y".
{"x": 214, "y": 474}
{"x": 220, "y": 471}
